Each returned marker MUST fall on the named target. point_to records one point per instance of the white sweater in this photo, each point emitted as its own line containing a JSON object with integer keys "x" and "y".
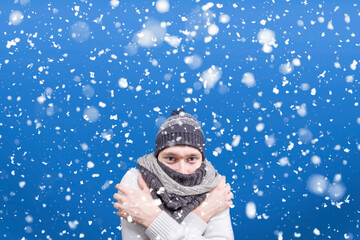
{"x": 165, "y": 227}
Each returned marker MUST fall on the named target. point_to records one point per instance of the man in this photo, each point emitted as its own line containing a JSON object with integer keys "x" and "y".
{"x": 175, "y": 193}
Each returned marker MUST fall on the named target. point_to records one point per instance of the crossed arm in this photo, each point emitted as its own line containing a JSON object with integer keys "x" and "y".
{"x": 138, "y": 206}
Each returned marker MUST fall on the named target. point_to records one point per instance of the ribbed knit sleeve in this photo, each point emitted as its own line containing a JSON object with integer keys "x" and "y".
{"x": 194, "y": 220}
{"x": 163, "y": 227}
{"x": 166, "y": 228}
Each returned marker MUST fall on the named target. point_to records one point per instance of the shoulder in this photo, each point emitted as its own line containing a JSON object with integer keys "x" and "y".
{"x": 130, "y": 179}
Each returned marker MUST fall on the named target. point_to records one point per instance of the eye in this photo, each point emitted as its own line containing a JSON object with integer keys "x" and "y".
{"x": 192, "y": 159}
{"x": 170, "y": 159}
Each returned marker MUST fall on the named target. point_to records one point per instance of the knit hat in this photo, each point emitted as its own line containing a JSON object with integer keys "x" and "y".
{"x": 180, "y": 129}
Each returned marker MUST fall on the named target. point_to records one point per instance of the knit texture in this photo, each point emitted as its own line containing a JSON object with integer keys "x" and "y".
{"x": 179, "y": 193}
{"x": 185, "y": 179}
{"x": 180, "y": 128}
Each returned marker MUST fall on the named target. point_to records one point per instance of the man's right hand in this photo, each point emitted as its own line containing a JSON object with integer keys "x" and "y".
{"x": 136, "y": 205}
{"x": 217, "y": 201}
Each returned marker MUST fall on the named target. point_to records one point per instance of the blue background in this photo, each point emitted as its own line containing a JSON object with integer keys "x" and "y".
{"x": 41, "y": 144}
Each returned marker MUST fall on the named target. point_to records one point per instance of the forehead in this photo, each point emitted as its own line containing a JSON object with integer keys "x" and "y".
{"x": 181, "y": 150}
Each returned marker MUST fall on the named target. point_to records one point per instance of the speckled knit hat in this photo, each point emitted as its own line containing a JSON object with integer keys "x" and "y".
{"x": 182, "y": 129}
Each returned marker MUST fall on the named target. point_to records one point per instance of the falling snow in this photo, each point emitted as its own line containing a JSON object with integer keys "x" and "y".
{"x": 87, "y": 84}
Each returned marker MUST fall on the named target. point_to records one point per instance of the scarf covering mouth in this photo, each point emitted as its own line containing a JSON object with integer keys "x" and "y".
{"x": 179, "y": 193}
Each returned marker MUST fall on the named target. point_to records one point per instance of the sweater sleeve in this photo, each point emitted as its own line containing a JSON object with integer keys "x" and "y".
{"x": 165, "y": 227}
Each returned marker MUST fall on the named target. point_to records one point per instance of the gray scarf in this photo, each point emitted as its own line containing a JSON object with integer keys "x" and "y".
{"x": 179, "y": 193}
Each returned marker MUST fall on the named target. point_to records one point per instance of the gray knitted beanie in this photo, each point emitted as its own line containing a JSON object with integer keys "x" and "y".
{"x": 180, "y": 128}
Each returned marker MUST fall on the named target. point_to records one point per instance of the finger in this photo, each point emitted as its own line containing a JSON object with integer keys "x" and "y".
{"x": 221, "y": 183}
{"x": 142, "y": 184}
{"x": 119, "y": 197}
{"x": 126, "y": 216}
{"x": 231, "y": 195}
{"x": 117, "y": 205}
{"x": 122, "y": 214}
{"x": 122, "y": 188}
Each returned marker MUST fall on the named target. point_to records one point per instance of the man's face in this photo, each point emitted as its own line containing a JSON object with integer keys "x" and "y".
{"x": 182, "y": 159}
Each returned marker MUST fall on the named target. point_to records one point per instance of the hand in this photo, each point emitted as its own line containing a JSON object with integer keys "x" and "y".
{"x": 136, "y": 205}
{"x": 217, "y": 200}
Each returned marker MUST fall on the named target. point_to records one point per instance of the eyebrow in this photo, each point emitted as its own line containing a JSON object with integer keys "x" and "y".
{"x": 189, "y": 155}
